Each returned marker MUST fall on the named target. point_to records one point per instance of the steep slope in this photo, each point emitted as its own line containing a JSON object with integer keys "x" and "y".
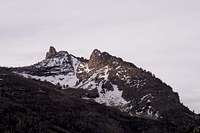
{"x": 111, "y": 81}
{"x": 31, "y": 106}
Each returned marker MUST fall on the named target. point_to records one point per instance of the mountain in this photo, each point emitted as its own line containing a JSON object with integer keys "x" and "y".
{"x": 32, "y": 106}
{"x": 111, "y": 82}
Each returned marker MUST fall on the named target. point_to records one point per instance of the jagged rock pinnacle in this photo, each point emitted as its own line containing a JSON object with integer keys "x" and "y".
{"x": 94, "y": 58}
{"x": 52, "y": 52}
{"x": 98, "y": 59}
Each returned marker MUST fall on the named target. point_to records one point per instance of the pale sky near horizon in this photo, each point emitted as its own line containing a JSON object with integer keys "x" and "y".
{"x": 160, "y": 36}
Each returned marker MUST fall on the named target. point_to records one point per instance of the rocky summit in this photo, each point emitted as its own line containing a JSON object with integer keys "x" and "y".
{"x": 102, "y": 94}
{"x": 52, "y": 52}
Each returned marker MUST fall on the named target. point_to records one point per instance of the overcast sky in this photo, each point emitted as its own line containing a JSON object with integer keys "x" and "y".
{"x": 162, "y": 36}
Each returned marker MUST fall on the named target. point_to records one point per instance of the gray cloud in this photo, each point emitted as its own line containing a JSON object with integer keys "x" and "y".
{"x": 160, "y": 36}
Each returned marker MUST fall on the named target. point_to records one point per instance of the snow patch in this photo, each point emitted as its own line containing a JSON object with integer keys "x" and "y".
{"x": 111, "y": 98}
{"x": 86, "y": 98}
{"x": 90, "y": 85}
{"x": 91, "y": 82}
{"x": 84, "y": 68}
{"x": 75, "y": 63}
{"x": 60, "y": 61}
{"x": 104, "y": 73}
{"x": 67, "y": 64}
{"x": 69, "y": 80}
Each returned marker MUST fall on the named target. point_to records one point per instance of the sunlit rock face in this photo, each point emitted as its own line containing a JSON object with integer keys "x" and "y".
{"x": 98, "y": 59}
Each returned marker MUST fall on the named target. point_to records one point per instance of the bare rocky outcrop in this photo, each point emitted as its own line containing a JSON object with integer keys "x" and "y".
{"x": 51, "y": 53}
{"x": 95, "y": 59}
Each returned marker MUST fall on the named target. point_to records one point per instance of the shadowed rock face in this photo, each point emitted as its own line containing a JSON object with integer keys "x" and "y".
{"x": 110, "y": 81}
{"x": 52, "y": 52}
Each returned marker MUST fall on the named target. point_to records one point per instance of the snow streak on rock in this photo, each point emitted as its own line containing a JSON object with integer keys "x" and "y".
{"x": 111, "y": 98}
{"x": 69, "y": 80}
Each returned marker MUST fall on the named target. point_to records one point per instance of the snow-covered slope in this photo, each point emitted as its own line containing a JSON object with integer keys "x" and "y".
{"x": 59, "y": 70}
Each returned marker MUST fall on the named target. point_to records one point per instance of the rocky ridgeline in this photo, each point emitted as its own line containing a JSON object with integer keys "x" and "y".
{"x": 113, "y": 82}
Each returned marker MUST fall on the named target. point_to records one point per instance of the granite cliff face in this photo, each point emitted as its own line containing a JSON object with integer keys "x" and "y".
{"x": 110, "y": 81}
